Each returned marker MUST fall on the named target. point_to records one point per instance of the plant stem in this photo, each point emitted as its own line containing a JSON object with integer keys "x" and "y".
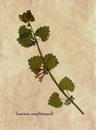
{"x": 52, "y": 77}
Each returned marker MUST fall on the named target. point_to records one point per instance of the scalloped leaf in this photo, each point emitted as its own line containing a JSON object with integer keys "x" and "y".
{"x": 35, "y": 63}
{"x": 27, "y": 17}
{"x": 67, "y": 84}
{"x": 25, "y": 37}
{"x": 55, "y": 100}
{"x": 51, "y": 61}
{"x": 43, "y": 33}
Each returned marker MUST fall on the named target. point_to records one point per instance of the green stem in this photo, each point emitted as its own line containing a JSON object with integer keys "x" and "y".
{"x": 52, "y": 77}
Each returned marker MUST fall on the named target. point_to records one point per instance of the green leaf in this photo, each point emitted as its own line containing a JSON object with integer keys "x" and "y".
{"x": 27, "y": 17}
{"x": 55, "y": 100}
{"x": 35, "y": 63}
{"x": 51, "y": 61}
{"x": 25, "y": 37}
{"x": 43, "y": 33}
{"x": 24, "y": 32}
{"x": 66, "y": 84}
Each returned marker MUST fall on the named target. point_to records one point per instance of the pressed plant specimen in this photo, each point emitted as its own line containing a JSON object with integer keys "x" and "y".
{"x": 42, "y": 65}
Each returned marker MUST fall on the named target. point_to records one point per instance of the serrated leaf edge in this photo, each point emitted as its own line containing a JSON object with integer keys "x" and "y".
{"x": 55, "y": 58}
{"x": 29, "y": 60}
{"x": 48, "y": 32}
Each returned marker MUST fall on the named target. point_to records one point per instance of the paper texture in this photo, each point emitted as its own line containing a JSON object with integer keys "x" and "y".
{"x": 72, "y": 39}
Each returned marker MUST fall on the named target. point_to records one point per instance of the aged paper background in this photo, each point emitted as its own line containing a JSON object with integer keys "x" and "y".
{"x": 72, "y": 40}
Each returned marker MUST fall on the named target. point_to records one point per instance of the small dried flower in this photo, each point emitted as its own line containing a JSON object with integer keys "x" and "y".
{"x": 40, "y": 73}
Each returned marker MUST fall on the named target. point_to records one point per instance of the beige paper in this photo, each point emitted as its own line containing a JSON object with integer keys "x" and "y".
{"x": 72, "y": 39}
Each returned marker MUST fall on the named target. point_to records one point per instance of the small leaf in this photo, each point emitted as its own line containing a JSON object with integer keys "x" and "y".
{"x": 55, "y": 100}
{"x": 27, "y": 17}
{"x": 25, "y": 37}
{"x": 51, "y": 61}
{"x": 43, "y": 33}
{"x": 35, "y": 63}
{"x": 66, "y": 84}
